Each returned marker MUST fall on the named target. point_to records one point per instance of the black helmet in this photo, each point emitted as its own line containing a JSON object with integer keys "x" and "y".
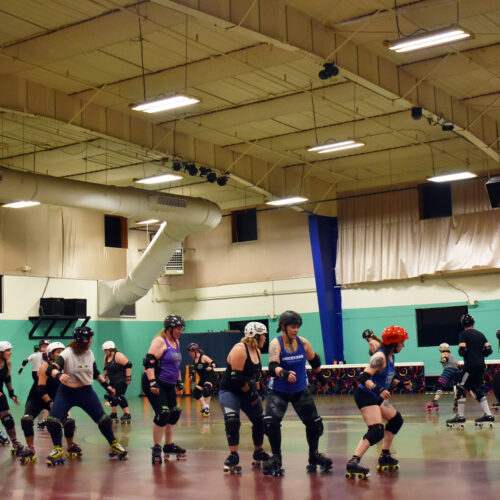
{"x": 467, "y": 320}
{"x": 83, "y": 334}
{"x": 171, "y": 321}
{"x": 193, "y": 346}
{"x": 289, "y": 318}
{"x": 367, "y": 334}
{"x": 43, "y": 342}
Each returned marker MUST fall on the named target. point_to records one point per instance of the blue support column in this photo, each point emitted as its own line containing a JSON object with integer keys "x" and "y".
{"x": 323, "y": 232}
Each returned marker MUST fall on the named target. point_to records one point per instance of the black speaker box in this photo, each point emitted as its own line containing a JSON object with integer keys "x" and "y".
{"x": 51, "y": 306}
{"x": 75, "y": 307}
{"x": 493, "y": 188}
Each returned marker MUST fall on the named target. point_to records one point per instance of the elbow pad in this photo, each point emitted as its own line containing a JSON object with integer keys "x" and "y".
{"x": 487, "y": 350}
{"x": 149, "y": 361}
{"x": 315, "y": 362}
{"x": 128, "y": 365}
{"x": 49, "y": 370}
{"x": 462, "y": 351}
{"x": 41, "y": 390}
{"x": 25, "y": 362}
{"x": 238, "y": 379}
{"x": 272, "y": 368}
{"x": 363, "y": 378}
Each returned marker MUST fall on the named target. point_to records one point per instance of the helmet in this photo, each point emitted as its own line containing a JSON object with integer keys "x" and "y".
{"x": 5, "y": 346}
{"x": 44, "y": 342}
{"x": 193, "y": 346}
{"x": 289, "y": 318}
{"x": 55, "y": 345}
{"x": 467, "y": 320}
{"x": 255, "y": 328}
{"x": 83, "y": 334}
{"x": 444, "y": 347}
{"x": 367, "y": 334}
{"x": 393, "y": 335}
{"x": 172, "y": 320}
{"x": 109, "y": 344}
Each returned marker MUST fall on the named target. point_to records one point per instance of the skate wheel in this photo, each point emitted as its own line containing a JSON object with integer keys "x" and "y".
{"x": 385, "y": 468}
{"x": 348, "y": 475}
{"x": 395, "y": 468}
{"x": 33, "y": 459}
{"x": 378, "y": 468}
{"x": 361, "y": 476}
{"x": 310, "y": 468}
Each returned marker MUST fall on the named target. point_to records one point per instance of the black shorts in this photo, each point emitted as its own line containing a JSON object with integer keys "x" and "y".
{"x": 4, "y": 404}
{"x": 363, "y": 398}
{"x": 472, "y": 378}
{"x": 302, "y": 402}
{"x": 205, "y": 377}
{"x": 166, "y": 398}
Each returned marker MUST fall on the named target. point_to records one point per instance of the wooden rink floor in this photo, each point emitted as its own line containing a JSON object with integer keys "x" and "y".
{"x": 434, "y": 460}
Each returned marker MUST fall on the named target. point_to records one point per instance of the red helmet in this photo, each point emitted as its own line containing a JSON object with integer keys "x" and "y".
{"x": 394, "y": 334}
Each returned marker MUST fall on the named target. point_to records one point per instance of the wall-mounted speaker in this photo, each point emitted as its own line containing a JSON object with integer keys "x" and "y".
{"x": 493, "y": 188}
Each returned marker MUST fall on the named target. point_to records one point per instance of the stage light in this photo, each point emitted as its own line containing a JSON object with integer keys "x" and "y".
{"x": 211, "y": 177}
{"x": 328, "y": 72}
{"x": 176, "y": 166}
{"x": 222, "y": 181}
{"x": 416, "y": 112}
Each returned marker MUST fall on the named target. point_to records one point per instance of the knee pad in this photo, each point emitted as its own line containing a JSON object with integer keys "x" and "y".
{"x": 314, "y": 428}
{"x": 53, "y": 424}
{"x": 197, "y": 393}
{"x": 162, "y": 417}
{"x": 27, "y": 425}
{"x": 374, "y": 434}
{"x": 175, "y": 415}
{"x": 232, "y": 424}
{"x": 105, "y": 423}
{"x": 69, "y": 426}
{"x": 272, "y": 427}
{"x": 394, "y": 424}
{"x": 207, "y": 390}
{"x": 122, "y": 401}
{"x": 8, "y": 422}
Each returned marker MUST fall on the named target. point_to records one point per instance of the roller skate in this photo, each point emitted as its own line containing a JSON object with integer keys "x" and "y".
{"x": 318, "y": 459}
{"x": 485, "y": 420}
{"x": 456, "y": 421}
{"x": 74, "y": 452}
{"x": 272, "y": 467}
{"x": 117, "y": 450}
{"x": 156, "y": 457}
{"x": 56, "y": 457}
{"x": 205, "y": 412}
{"x": 41, "y": 425}
{"x": 356, "y": 470}
{"x": 126, "y": 418}
{"x": 433, "y": 405}
{"x": 17, "y": 448}
{"x": 173, "y": 449}
{"x": 114, "y": 417}
{"x": 386, "y": 462}
{"x": 231, "y": 463}
{"x": 259, "y": 457}
{"x": 4, "y": 439}
{"x": 27, "y": 455}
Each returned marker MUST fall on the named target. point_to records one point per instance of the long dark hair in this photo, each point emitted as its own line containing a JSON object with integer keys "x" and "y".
{"x": 388, "y": 349}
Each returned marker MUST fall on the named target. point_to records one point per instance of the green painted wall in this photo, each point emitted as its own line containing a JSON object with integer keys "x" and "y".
{"x": 486, "y": 314}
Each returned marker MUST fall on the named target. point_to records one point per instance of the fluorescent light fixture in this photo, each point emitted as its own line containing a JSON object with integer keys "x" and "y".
{"x": 286, "y": 201}
{"x": 172, "y": 102}
{"x": 147, "y": 222}
{"x": 452, "y": 177}
{"x": 21, "y": 204}
{"x": 429, "y": 39}
{"x": 336, "y": 146}
{"x": 159, "y": 179}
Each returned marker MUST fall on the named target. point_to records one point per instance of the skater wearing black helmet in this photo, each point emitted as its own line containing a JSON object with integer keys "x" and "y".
{"x": 288, "y": 354}
{"x": 474, "y": 347}
{"x": 160, "y": 379}
{"x": 204, "y": 367}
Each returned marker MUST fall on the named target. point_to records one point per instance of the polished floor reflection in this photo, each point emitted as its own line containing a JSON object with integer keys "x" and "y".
{"x": 435, "y": 461}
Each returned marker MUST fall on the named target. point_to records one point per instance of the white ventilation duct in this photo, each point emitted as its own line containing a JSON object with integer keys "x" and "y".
{"x": 184, "y": 215}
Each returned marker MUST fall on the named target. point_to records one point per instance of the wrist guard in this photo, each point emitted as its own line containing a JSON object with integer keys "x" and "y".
{"x": 284, "y": 374}
{"x": 105, "y": 386}
{"x": 11, "y": 394}
{"x": 315, "y": 362}
{"x": 377, "y": 389}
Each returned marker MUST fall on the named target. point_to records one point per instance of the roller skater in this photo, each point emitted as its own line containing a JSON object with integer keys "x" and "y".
{"x": 386, "y": 462}
{"x": 156, "y": 456}
{"x": 319, "y": 460}
{"x": 231, "y": 464}
{"x": 56, "y": 457}
{"x": 173, "y": 449}
{"x": 238, "y": 389}
{"x": 160, "y": 380}
{"x": 4, "y": 439}
{"x": 75, "y": 369}
{"x": 288, "y": 354}
{"x": 372, "y": 395}
{"x": 27, "y": 455}
{"x": 118, "y": 371}
{"x": 74, "y": 452}
{"x": 259, "y": 457}
{"x": 356, "y": 470}
{"x": 474, "y": 347}
{"x": 204, "y": 367}
{"x": 273, "y": 466}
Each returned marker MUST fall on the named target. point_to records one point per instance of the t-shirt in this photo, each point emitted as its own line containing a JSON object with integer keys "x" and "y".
{"x": 79, "y": 367}
{"x": 36, "y": 360}
{"x": 474, "y": 341}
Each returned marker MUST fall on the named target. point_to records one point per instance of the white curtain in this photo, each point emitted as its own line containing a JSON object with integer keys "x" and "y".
{"x": 381, "y": 237}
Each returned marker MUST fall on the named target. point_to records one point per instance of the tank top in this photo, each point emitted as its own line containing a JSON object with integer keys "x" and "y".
{"x": 250, "y": 370}
{"x": 384, "y": 378}
{"x": 3, "y": 374}
{"x": 451, "y": 363}
{"x": 292, "y": 362}
{"x": 170, "y": 363}
{"x": 115, "y": 371}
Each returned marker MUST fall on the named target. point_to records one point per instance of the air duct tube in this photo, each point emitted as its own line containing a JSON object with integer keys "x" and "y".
{"x": 184, "y": 215}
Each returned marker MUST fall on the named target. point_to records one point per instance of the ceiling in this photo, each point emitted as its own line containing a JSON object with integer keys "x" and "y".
{"x": 70, "y": 71}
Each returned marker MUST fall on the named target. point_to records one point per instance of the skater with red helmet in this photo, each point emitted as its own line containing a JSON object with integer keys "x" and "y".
{"x": 372, "y": 398}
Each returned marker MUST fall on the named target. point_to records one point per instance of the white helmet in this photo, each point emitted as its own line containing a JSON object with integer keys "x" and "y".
{"x": 55, "y": 345}
{"x": 5, "y": 346}
{"x": 255, "y": 328}
{"x": 109, "y": 344}
{"x": 444, "y": 347}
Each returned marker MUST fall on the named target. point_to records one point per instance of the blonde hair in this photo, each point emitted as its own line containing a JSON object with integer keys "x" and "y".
{"x": 163, "y": 333}
{"x": 251, "y": 342}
